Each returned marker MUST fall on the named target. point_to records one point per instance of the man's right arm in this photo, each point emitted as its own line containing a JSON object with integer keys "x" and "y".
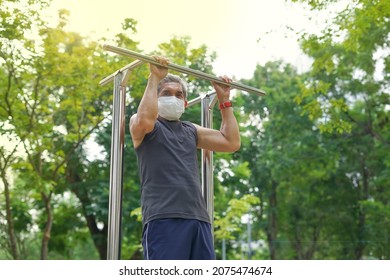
{"x": 144, "y": 120}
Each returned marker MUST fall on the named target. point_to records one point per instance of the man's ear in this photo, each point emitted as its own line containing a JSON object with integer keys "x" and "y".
{"x": 185, "y": 104}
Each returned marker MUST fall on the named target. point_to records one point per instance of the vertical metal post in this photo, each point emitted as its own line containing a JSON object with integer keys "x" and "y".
{"x": 116, "y": 171}
{"x": 224, "y": 249}
{"x": 207, "y": 104}
{"x": 249, "y": 237}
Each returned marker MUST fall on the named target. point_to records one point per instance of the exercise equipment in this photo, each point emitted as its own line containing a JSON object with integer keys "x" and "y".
{"x": 207, "y": 101}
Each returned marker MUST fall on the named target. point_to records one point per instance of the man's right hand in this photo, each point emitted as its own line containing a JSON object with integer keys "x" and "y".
{"x": 158, "y": 71}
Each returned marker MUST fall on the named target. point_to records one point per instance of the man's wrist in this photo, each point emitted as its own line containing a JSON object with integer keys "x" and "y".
{"x": 154, "y": 78}
{"x": 222, "y": 100}
{"x": 225, "y": 104}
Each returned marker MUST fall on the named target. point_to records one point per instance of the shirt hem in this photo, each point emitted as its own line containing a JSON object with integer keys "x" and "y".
{"x": 177, "y": 216}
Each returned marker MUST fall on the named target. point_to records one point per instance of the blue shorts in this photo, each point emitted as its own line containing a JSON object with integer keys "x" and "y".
{"x": 178, "y": 239}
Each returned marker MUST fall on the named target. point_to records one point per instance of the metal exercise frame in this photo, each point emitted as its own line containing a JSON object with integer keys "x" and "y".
{"x": 207, "y": 101}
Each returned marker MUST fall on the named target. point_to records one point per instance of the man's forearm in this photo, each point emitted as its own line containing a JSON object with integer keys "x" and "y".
{"x": 148, "y": 107}
{"x": 229, "y": 128}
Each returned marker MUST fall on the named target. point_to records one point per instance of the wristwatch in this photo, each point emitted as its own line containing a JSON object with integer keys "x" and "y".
{"x": 225, "y": 104}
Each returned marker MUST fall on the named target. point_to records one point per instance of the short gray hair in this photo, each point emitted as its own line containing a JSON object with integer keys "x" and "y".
{"x": 170, "y": 78}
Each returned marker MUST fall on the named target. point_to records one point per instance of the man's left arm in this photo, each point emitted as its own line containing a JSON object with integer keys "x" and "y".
{"x": 227, "y": 139}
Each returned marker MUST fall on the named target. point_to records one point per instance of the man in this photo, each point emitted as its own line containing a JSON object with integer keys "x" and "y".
{"x": 175, "y": 219}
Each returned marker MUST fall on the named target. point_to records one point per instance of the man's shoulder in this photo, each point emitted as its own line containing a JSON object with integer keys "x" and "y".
{"x": 190, "y": 125}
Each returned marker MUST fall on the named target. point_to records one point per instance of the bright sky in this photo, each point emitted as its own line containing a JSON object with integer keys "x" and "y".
{"x": 242, "y": 32}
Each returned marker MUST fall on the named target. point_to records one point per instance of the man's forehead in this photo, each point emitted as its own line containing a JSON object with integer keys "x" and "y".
{"x": 171, "y": 86}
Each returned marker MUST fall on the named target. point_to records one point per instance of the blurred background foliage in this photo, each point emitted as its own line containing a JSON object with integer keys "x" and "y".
{"x": 311, "y": 180}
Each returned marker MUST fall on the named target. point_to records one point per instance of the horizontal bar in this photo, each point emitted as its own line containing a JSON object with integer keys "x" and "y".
{"x": 130, "y": 66}
{"x": 194, "y": 101}
{"x": 198, "y": 99}
{"x": 182, "y": 69}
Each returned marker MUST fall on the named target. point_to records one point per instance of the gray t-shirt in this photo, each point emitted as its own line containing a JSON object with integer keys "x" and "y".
{"x": 168, "y": 168}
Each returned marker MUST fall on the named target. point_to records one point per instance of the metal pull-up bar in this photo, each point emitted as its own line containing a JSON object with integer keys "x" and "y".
{"x": 127, "y": 68}
{"x": 182, "y": 69}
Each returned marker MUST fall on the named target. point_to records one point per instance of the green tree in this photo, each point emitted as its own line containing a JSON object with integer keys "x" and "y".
{"x": 347, "y": 91}
{"x": 277, "y": 137}
{"x": 16, "y": 49}
{"x": 52, "y": 107}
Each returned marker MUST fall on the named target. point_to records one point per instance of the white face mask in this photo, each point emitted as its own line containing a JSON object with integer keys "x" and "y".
{"x": 170, "y": 108}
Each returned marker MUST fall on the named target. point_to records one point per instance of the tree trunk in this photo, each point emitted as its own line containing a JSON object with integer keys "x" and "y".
{"x": 313, "y": 244}
{"x": 272, "y": 222}
{"x": 364, "y": 193}
{"x": 359, "y": 249}
{"x": 10, "y": 224}
{"x": 49, "y": 223}
{"x": 99, "y": 237}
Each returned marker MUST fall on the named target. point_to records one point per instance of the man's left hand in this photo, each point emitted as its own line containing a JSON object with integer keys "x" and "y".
{"x": 223, "y": 91}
